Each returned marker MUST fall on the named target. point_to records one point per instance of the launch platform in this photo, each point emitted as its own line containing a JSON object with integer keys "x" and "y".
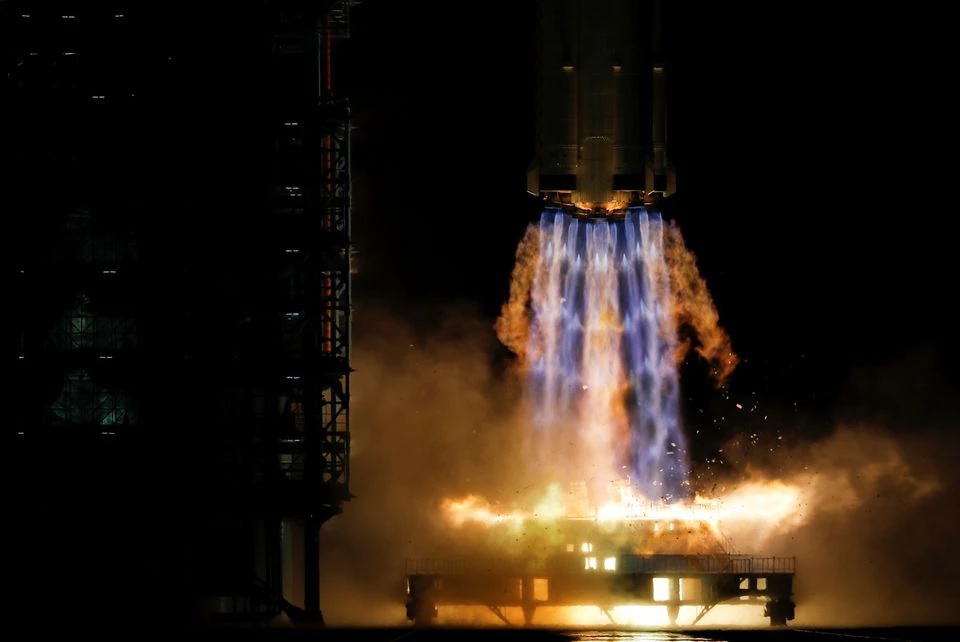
{"x": 583, "y": 579}
{"x": 648, "y": 554}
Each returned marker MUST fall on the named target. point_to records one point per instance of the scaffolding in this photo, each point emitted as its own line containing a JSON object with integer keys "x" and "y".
{"x": 137, "y": 323}
{"x": 87, "y": 356}
{"x": 310, "y": 207}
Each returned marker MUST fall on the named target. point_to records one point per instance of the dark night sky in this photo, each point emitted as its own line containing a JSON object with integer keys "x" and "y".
{"x": 812, "y": 149}
{"x": 807, "y": 143}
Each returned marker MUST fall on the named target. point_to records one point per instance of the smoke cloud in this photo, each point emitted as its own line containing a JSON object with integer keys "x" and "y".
{"x": 432, "y": 418}
{"x": 872, "y": 522}
{"x": 873, "y": 528}
{"x": 876, "y": 524}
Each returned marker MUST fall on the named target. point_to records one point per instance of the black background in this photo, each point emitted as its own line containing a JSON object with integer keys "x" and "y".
{"x": 810, "y": 143}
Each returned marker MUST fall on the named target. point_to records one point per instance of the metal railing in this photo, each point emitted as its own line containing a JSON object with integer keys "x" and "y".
{"x": 626, "y": 564}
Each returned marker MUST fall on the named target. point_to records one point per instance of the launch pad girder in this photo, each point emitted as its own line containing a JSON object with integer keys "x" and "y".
{"x": 670, "y": 581}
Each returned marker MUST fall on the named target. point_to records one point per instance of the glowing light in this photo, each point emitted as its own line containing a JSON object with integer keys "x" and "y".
{"x": 775, "y": 503}
{"x": 474, "y": 509}
{"x": 661, "y": 589}
{"x": 601, "y": 331}
{"x": 594, "y": 310}
{"x": 642, "y": 616}
{"x": 593, "y": 314}
{"x": 541, "y": 589}
{"x": 691, "y": 589}
{"x": 771, "y": 502}
{"x": 617, "y": 204}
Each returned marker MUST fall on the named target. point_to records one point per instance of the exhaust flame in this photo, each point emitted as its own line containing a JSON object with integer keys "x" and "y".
{"x": 603, "y": 383}
{"x": 514, "y": 322}
{"x": 475, "y": 509}
{"x": 774, "y": 502}
{"x": 693, "y": 307}
{"x": 593, "y": 314}
{"x": 778, "y": 504}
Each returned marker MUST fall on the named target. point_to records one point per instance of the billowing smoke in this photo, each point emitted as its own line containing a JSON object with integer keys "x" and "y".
{"x": 432, "y": 418}
{"x": 868, "y": 510}
{"x": 875, "y": 525}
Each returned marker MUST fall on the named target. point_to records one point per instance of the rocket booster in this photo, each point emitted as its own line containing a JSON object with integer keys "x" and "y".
{"x": 601, "y": 135}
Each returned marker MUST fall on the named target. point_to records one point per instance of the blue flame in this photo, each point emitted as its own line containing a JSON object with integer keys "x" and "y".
{"x": 603, "y": 341}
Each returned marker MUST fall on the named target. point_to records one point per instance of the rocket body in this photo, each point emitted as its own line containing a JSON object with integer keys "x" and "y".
{"x": 595, "y": 102}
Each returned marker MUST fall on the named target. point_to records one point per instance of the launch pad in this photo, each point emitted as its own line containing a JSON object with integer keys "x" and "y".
{"x": 668, "y": 581}
{"x": 601, "y": 286}
{"x": 626, "y": 553}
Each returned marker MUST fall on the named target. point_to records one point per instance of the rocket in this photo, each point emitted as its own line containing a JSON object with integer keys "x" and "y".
{"x": 601, "y": 130}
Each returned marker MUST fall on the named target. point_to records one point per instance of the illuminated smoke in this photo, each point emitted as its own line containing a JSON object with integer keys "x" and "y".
{"x": 693, "y": 307}
{"x": 873, "y": 525}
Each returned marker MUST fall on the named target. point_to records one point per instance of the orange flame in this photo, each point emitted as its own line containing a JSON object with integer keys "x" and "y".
{"x": 473, "y": 508}
{"x": 513, "y": 324}
{"x": 617, "y": 202}
{"x": 693, "y": 307}
{"x": 777, "y": 503}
